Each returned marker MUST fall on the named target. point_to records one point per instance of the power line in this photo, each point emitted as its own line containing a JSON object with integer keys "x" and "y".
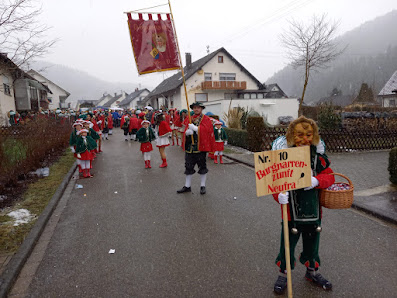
{"x": 279, "y": 13}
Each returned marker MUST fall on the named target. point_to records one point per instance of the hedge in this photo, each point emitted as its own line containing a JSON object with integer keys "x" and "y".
{"x": 23, "y": 148}
{"x": 393, "y": 165}
{"x": 237, "y": 137}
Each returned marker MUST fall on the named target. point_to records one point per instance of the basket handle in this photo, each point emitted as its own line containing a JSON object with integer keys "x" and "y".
{"x": 343, "y": 176}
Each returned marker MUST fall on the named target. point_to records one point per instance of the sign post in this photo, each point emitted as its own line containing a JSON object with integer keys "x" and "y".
{"x": 280, "y": 171}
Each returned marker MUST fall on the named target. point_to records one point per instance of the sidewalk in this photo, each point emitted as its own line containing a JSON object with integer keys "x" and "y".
{"x": 373, "y": 192}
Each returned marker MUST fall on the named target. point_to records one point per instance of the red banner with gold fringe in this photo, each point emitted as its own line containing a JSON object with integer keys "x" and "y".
{"x": 153, "y": 43}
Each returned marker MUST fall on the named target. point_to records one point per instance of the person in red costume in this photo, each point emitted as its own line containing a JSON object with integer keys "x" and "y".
{"x": 163, "y": 139}
{"x": 198, "y": 140}
{"x": 174, "y": 122}
{"x": 304, "y": 210}
{"x": 133, "y": 126}
{"x": 110, "y": 123}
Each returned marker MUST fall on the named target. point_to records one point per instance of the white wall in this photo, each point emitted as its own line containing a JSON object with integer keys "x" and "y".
{"x": 105, "y": 100}
{"x": 116, "y": 103}
{"x": 133, "y": 103}
{"x": 386, "y": 101}
{"x": 7, "y": 102}
{"x": 270, "y": 108}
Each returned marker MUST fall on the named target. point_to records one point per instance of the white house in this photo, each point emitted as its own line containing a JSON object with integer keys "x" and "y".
{"x": 19, "y": 91}
{"x": 115, "y": 101}
{"x": 7, "y": 100}
{"x": 219, "y": 81}
{"x": 104, "y": 99}
{"x": 59, "y": 95}
{"x": 388, "y": 95}
{"x": 133, "y": 100}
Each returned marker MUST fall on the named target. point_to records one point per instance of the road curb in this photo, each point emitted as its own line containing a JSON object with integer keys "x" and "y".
{"x": 357, "y": 206}
{"x": 382, "y": 216}
{"x": 17, "y": 262}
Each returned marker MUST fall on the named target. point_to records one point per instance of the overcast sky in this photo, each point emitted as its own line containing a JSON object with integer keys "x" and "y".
{"x": 94, "y": 33}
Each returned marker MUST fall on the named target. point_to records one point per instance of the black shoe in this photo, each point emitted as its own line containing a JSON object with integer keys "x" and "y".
{"x": 202, "y": 190}
{"x": 280, "y": 285}
{"x": 107, "y": 139}
{"x": 126, "y": 140}
{"x": 184, "y": 189}
{"x": 319, "y": 280}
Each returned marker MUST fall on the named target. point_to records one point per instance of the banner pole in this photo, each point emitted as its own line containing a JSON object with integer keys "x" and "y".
{"x": 286, "y": 249}
{"x": 180, "y": 62}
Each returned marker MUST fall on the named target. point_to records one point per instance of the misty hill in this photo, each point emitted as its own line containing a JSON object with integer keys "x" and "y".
{"x": 80, "y": 84}
{"x": 370, "y": 57}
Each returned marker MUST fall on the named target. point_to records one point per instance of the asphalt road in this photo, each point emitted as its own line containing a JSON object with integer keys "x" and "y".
{"x": 222, "y": 244}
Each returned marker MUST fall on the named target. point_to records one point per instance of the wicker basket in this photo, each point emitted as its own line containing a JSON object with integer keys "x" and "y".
{"x": 339, "y": 199}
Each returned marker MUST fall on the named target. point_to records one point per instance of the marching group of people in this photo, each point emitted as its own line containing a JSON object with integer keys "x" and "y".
{"x": 198, "y": 135}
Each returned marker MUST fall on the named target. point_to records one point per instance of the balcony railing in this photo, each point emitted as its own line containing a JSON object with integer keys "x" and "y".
{"x": 224, "y": 85}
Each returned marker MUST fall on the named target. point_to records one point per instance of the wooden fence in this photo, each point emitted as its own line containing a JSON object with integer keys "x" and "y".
{"x": 344, "y": 140}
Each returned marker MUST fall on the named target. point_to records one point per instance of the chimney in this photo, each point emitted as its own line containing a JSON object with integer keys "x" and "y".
{"x": 136, "y": 89}
{"x": 188, "y": 59}
{"x": 115, "y": 94}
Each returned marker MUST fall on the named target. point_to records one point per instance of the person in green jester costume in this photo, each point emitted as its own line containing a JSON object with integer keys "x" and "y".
{"x": 84, "y": 147}
{"x": 220, "y": 141}
{"x": 304, "y": 210}
{"x": 145, "y": 136}
{"x": 78, "y": 125}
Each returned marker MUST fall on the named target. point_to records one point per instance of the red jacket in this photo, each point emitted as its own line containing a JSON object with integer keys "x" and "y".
{"x": 206, "y": 138}
{"x": 324, "y": 181}
{"x": 110, "y": 121}
{"x": 96, "y": 126}
{"x": 177, "y": 122}
{"x": 164, "y": 128}
{"x": 133, "y": 123}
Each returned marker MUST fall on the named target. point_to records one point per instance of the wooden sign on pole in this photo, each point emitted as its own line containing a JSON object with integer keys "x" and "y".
{"x": 282, "y": 170}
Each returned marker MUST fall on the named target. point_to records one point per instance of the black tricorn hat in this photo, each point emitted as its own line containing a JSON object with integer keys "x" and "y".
{"x": 197, "y": 104}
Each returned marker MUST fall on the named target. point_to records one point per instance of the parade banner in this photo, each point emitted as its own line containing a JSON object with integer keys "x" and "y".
{"x": 282, "y": 170}
{"x": 153, "y": 44}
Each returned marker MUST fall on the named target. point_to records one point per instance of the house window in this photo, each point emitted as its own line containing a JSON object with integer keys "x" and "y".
{"x": 201, "y": 97}
{"x": 230, "y": 95}
{"x": 260, "y": 95}
{"x": 241, "y": 96}
{"x": 33, "y": 93}
{"x": 392, "y": 103}
{"x": 6, "y": 85}
{"x": 246, "y": 96}
{"x": 253, "y": 96}
{"x": 49, "y": 99}
{"x": 227, "y": 76}
{"x": 220, "y": 59}
{"x": 207, "y": 76}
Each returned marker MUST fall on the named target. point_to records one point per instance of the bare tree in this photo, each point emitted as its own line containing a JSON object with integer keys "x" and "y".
{"x": 22, "y": 37}
{"x": 311, "y": 46}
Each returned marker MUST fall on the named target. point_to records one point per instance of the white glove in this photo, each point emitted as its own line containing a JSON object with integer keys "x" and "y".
{"x": 189, "y": 132}
{"x": 314, "y": 184}
{"x": 225, "y": 143}
{"x": 78, "y": 155}
{"x": 72, "y": 148}
{"x": 283, "y": 198}
{"x": 193, "y": 127}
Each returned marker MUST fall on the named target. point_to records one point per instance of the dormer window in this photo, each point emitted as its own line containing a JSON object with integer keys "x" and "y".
{"x": 220, "y": 59}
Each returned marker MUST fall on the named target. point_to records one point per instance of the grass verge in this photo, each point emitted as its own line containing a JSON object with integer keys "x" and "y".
{"x": 35, "y": 199}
